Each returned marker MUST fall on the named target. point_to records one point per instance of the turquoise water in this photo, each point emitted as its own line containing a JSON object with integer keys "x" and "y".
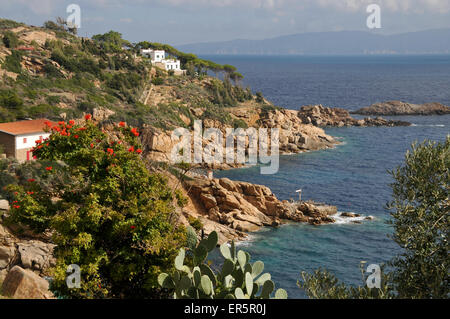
{"x": 353, "y": 176}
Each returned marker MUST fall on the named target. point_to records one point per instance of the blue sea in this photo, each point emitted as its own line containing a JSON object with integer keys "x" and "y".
{"x": 354, "y": 175}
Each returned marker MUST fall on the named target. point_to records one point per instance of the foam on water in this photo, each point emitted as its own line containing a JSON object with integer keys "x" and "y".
{"x": 339, "y": 220}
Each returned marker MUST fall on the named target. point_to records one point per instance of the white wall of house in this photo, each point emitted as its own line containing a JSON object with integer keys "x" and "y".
{"x": 172, "y": 65}
{"x": 157, "y": 55}
{"x": 29, "y": 140}
{"x": 146, "y": 52}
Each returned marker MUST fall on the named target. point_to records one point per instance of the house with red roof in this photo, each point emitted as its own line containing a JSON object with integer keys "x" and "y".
{"x": 18, "y": 138}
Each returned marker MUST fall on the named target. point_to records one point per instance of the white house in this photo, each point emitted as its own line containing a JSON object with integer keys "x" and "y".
{"x": 159, "y": 56}
{"x": 18, "y": 138}
{"x": 154, "y": 55}
{"x": 172, "y": 64}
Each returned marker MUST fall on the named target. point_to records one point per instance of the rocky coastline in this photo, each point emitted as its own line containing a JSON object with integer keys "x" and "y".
{"x": 319, "y": 115}
{"x": 403, "y": 108}
{"x": 234, "y": 208}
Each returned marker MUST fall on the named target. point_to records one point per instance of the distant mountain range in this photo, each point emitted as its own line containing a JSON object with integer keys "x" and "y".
{"x": 336, "y": 43}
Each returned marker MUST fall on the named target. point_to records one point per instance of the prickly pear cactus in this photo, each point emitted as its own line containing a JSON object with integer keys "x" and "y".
{"x": 238, "y": 278}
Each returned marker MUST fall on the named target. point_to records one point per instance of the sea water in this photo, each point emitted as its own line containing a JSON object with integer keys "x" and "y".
{"x": 353, "y": 175}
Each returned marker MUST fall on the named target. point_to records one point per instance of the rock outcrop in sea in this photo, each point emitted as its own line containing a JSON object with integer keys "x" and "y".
{"x": 403, "y": 108}
{"x": 235, "y": 208}
{"x": 326, "y": 116}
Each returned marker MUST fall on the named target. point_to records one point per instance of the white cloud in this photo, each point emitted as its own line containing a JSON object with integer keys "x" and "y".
{"x": 405, "y": 6}
{"x": 402, "y": 6}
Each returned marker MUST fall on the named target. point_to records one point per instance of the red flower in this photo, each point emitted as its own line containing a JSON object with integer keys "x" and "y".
{"x": 134, "y": 131}
{"x": 30, "y": 193}
{"x": 110, "y": 151}
{"x": 81, "y": 129}
{"x": 15, "y": 202}
{"x": 71, "y": 122}
{"x": 133, "y": 227}
{"x": 122, "y": 124}
{"x": 92, "y": 145}
{"x": 31, "y": 180}
{"x": 47, "y": 123}
{"x": 87, "y": 117}
{"x": 61, "y": 123}
{"x": 131, "y": 149}
{"x": 16, "y": 206}
{"x": 49, "y": 168}
{"x": 34, "y": 157}
{"x": 76, "y": 136}
{"x": 139, "y": 151}
{"x": 69, "y": 126}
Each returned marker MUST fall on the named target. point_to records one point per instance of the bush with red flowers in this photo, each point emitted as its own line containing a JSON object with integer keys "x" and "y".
{"x": 107, "y": 212}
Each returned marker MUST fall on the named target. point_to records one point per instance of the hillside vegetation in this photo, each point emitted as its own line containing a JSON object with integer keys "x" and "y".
{"x": 50, "y": 72}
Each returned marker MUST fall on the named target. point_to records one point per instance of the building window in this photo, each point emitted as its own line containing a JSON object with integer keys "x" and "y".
{"x": 24, "y": 140}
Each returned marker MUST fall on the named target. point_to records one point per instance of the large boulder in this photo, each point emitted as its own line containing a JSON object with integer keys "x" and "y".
{"x": 4, "y": 205}
{"x": 36, "y": 255}
{"x": 21, "y": 283}
{"x": 7, "y": 254}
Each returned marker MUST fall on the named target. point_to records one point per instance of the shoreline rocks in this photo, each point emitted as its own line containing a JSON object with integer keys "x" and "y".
{"x": 294, "y": 136}
{"x": 403, "y": 108}
{"x": 235, "y": 208}
{"x": 319, "y": 115}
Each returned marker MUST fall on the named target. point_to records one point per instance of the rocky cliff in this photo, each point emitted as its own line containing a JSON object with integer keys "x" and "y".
{"x": 295, "y": 136}
{"x": 403, "y": 108}
{"x": 235, "y": 208}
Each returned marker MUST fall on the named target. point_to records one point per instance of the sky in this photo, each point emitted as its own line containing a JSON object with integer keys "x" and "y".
{"x": 189, "y": 21}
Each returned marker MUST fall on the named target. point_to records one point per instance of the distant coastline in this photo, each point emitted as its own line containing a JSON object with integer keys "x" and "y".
{"x": 434, "y": 42}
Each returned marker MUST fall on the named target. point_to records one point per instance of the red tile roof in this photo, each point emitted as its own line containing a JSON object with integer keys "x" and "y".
{"x": 23, "y": 48}
{"x": 24, "y": 127}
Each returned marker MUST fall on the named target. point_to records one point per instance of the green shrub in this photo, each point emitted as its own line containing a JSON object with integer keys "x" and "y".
{"x": 238, "y": 123}
{"x": 10, "y": 39}
{"x": 12, "y": 62}
{"x": 238, "y": 279}
{"x": 112, "y": 217}
{"x": 52, "y": 71}
{"x": 157, "y": 81}
{"x": 10, "y": 99}
{"x": 181, "y": 199}
{"x": 53, "y": 99}
{"x": 259, "y": 97}
{"x": 196, "y": 223}
{"x": 9, "y": 24}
